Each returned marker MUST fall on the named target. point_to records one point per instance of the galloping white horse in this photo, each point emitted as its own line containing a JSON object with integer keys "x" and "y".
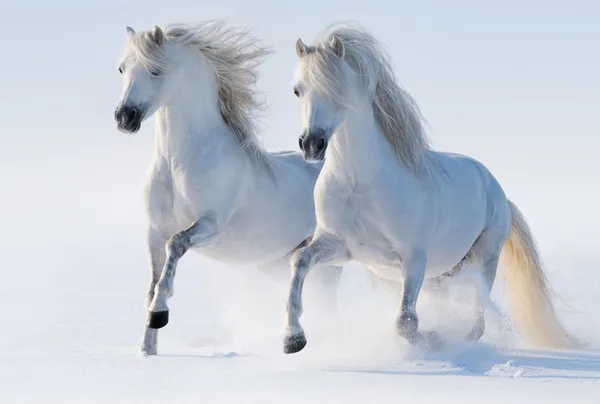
{"x": 386, "y": 199}
{"x": 211, "y": 186}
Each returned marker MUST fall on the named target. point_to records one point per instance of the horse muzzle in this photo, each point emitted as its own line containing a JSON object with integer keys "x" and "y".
{"x": 313, "y": 145}
{"x": 129, "y": 119}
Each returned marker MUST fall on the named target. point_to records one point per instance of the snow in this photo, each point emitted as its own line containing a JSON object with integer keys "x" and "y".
{"x": 73, "y": 316}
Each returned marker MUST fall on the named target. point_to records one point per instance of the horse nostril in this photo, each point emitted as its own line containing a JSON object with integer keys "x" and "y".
{"x": 131, "y": 113}
{"x": 321, "y": 143}
{"x": 300, "y": 144}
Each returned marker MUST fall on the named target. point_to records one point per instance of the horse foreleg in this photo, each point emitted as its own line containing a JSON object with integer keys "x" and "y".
{"x": 413, "y": 271}
{"x": 156, "y": 247}
{"x": 202, "y": 232}
{"x": 324, "y": 249}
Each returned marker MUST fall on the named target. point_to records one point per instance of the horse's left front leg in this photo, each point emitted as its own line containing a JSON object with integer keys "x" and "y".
{"x": 413, "y": 270}
{"x": 323, "y": 249}
{"x": 202, "y": 232}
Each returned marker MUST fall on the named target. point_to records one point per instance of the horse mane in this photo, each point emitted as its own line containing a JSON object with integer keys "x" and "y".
{"x": 395, "y": 110}
{"x": 235, "y": 55}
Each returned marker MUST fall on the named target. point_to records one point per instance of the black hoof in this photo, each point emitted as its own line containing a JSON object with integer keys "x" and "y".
{"x": 158, "y": 319}
{"x": 294, "y": 343}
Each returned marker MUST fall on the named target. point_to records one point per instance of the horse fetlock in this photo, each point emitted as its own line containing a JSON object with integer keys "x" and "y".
{"x": 407, "y": 325}
{"x": 159, "y": 303}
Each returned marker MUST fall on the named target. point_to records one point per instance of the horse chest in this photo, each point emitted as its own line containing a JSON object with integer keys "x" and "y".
{"x": 168, "y": 208}
{"x": 355, "y": 217}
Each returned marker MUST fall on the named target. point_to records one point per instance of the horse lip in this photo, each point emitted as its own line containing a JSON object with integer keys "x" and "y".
{"x": 314, "y": 158}
{"x": 128, "y": 128}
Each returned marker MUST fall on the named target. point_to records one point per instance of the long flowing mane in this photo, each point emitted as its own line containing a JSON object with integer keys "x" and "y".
{"x": 235, "y": 55}
{"x": 395, "y": 110}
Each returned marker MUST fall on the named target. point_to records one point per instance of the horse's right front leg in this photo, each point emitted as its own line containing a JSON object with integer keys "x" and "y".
{"x": 324, "y": 249}
{"x": 156, "y": 249}
{"x": 202, "y": 232}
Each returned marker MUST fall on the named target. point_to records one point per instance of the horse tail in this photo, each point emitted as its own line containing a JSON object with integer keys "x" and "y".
{"x": 528, "y": 290}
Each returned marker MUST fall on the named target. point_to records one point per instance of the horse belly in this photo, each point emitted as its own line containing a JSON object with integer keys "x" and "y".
{"x": 454, "y": 238}
{"x": 358, "y": 228}
{"x": 249, "y": 240}
{"x": 268, "y": 226}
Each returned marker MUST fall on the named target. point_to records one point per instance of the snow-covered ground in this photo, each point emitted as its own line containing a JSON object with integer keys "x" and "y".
{"x": 73, "y": 316}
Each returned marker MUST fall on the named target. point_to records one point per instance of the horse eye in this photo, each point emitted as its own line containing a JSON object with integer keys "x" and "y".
{"x": 296, "y": 92}
{"x": 155, "y": 74}
{"x": 120, "y": 70}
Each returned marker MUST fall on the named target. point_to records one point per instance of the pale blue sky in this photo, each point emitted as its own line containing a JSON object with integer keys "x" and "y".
{"x": 515, "y": 84}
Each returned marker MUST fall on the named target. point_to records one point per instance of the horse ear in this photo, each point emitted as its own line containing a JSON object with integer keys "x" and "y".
{"x": 130, "y": 31}
{"x": 300, "y": 48}
{"x": 158, "y": 36}
{"x": 338, "y": 46}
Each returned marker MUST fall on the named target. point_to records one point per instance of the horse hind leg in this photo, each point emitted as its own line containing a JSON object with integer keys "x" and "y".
{"x": 439, "y": 284}
{"x": 485, "y": 255}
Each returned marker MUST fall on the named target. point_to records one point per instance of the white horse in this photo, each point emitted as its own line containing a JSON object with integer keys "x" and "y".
{"x": 211, "y": 187}
{"x": 386, "y": 199}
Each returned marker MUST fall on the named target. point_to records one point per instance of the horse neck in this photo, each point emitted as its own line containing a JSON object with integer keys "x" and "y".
{"x": 191, "y": 119}
{"x": 359, "y": 144}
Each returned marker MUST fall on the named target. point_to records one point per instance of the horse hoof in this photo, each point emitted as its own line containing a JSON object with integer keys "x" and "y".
{"x": 158, "y": 319}
{"x": 434, "y": 341}
{"x": 294, "y": 343}
{"x": 147, "y": 352}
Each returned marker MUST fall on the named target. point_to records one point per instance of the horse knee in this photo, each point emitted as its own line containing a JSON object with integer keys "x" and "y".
{"x": 301, "y": 259}
{"x": 178, "y": 244}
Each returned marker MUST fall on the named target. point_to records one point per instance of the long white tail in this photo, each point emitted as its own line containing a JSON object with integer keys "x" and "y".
{"x": 529, "y": 295}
